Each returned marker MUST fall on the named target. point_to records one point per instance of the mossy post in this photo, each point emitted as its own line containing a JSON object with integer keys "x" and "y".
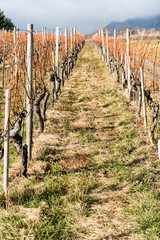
{"x": 29, "y": 124}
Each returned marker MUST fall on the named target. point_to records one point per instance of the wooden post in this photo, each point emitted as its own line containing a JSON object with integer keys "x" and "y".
{"x": 15, "y": 38}
{"x": 118, "y": 67}
{"x": 121, "y": 58}
{"x": 115, "y": 37}
{"x": 6, "y": 142}
{"x": 126, "y": 68}
{"x": 43, "y": 35}
{"x": 74, "y": 32}
{"x": 103, "y": 48}
{"x": 159, "y": 148}
{"x": 29, "y": 124}
{"x": 15, "y": 35}
{"x": 99, "y": 35}
{"x": 107, "y": 44}
{"x": 66, "y": 54}
{"x": 57, "y": 55}
{"x": 3, "y": 58}
{"x": 71, "y": 39}
{"x": 66, "y": 41}
{"x": 128, "y": 43}
{"x": 127, "y": 52}
{"x": 143, "y": 97}
{"x": 129, "y": 74}
{"x": 122, "y": 72}
{"x": 52, "y": 32}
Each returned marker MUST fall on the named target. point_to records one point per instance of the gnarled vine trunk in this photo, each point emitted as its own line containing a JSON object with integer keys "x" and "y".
{"x": 17, "y": 140}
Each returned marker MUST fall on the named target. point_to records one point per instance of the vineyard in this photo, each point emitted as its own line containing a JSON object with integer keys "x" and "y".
{"x": 79, "y": 135}
{"x": 34, "y": 67}
{"x": 136, "y": 65}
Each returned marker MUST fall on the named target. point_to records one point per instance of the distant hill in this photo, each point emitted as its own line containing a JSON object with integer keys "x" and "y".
{"x": 148, "y": 23}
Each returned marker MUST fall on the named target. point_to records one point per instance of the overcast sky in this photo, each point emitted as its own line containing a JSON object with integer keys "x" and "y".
{"x": 86, "y": 15}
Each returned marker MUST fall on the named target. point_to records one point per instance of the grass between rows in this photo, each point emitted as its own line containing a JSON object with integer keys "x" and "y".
{"x": 100, "y": 180}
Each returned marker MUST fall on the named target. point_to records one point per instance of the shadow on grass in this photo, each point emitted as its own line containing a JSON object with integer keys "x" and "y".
{"x": 115, "y": 237}
{"x": 135, "y": 161}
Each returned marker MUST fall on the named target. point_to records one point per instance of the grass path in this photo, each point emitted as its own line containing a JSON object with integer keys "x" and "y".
{"x": 93, "y": 175}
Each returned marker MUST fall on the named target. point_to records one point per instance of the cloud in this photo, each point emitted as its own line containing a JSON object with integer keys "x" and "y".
{"x": 85, "y": 14}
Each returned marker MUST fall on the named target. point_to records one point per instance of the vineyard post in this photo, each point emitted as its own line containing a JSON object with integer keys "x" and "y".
{"x": 129, "y": 82}
{"x": 143, "y": 97}
{"x": 128, "y": 57}
{"x": 115, "y": 37}
{"x": 158, "y": 125}
{"x": 57, "y": 55}
{"x": 15, "y": 38}
{"x": 121, "y": 58}
{"x": 159, "y": 148}
{"x": 6, "y": 142}
{"x": 52, "y": 32}
{"x": 3, "y": 57}
{"x": 128, "y": 43}
{"x": 29, "y": 108}
{"x": 66, "y": 50}
{"x": 107, "y": 44}
{"x": 43, "y": 35}
{"x": 103, "y": 48}
{"x": 74, "y": 33}
{"x": 99, "y": 37}
{"x": 122, "y": 72}
{"x": 117, "y": 56}
{"x": 125, "y": 66}
{"x": 15, "y": 35}
{"x": 66, "y": 41}
{"x": 71, "y": 39}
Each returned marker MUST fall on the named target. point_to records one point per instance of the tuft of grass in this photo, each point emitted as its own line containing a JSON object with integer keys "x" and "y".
{"x": 147, "y": 214}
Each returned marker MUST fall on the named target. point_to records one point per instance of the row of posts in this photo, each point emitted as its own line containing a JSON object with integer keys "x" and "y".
{"x": 106, "y": 57}
{"x": 29, "y": 118}
{"x": 106, "y": 52}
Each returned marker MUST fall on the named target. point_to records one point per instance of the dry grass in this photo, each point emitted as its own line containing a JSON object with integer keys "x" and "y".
{"x": 90, "y": 167}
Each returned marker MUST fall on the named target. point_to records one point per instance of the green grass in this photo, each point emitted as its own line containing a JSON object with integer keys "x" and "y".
{"x": 100, "y": 179}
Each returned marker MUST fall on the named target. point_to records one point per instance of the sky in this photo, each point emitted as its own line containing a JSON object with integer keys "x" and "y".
{"x": 86, "y": 15}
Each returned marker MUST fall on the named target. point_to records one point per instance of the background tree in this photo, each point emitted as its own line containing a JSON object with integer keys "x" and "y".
{"x": 5, "y": 22}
